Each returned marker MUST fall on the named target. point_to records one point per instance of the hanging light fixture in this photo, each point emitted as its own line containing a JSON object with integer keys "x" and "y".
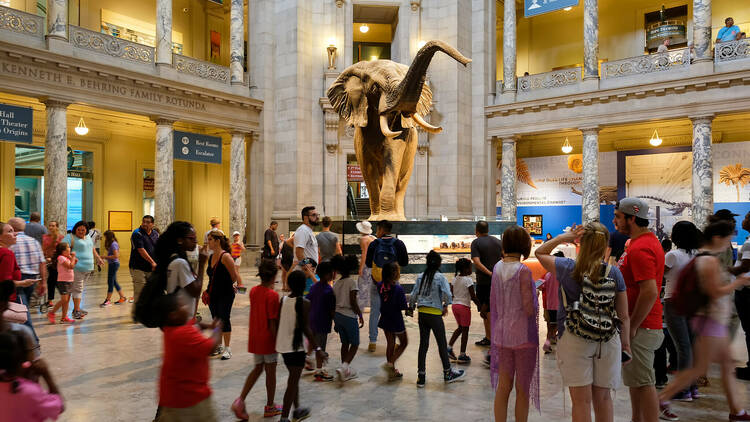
{"x": 566, "y": 148}
{"x": 364, "y": 28}
{"x": 81, "y": 128}
{"x": 655, "y": 139}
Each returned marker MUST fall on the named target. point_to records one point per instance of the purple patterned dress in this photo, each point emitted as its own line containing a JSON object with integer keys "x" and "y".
{"x": 514, "y": 313}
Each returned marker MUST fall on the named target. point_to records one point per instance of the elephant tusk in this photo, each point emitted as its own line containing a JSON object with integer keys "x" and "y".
{"x": 428, "y": 127}
{"x": 385, "y": 129}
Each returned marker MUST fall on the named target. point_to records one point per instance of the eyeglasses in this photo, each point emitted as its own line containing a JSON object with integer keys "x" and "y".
{"x": 315, "y": 214}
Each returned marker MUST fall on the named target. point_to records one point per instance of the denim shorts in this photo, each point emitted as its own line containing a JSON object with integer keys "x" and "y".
{"x": 348, "y": 329}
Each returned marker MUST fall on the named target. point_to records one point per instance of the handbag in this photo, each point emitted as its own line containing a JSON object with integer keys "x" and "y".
{"x": 16, "y": 312}
{"x": 206, "y": 297}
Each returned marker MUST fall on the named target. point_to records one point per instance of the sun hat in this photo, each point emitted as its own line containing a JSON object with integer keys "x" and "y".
{"x": 364, "y": 227}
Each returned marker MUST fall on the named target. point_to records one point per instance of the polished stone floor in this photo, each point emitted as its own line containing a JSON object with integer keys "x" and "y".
{"x": 107, "y": 368}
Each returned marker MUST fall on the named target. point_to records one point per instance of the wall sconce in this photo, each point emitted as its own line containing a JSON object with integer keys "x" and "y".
{"x": 655, "y": 139}
{"x": 567, "y": 148}
{"x": 81, "y": 128}
{"x": 331, "y": 55}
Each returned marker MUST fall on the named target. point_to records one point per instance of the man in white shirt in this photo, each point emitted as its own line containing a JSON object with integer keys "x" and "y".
{"x": 742, "y": 296}
{"x": 305, "y": 243}
{"x": 180, "y": 273}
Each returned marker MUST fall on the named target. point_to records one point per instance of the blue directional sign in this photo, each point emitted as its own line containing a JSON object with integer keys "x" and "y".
{"x": 196, "y": 147}
{"x": 16, "y": 123}
{"x": 538, "y": 7}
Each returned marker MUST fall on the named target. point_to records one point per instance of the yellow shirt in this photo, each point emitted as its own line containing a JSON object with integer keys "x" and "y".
{"x": 430, "y": 310}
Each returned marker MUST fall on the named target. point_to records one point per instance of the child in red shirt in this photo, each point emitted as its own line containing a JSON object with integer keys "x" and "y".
{"x": 264, "y": 322}
{"x": 184, "y": 392}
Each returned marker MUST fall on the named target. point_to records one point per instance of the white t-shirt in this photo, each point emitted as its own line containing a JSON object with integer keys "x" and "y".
{"x": 342, "y": 289}
{"x": 180, "y": 274}
{"x": 744, "y": 252}
{"x": 305, "y": 238}
{"x": 675, "y": 259}
{"x": 461, "y": 293}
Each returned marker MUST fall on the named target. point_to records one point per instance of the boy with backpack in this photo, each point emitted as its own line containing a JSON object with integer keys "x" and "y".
{"x": 386, "y": 248}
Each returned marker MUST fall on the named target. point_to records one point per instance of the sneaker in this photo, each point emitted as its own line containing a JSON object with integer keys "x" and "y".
{"x": 660, "y": 385}
{"x": 274, "y": 410}
{"x": 238, "y": 407}
{"x": 51, "y": 317}
{"x": 66, "y": 320}
{"x": 395, "y": 375}
{"x": 349, "y": 374}
{"x": 105, "y": 304}
{"x": 227, "y": 354}
{"x": 120, "y": 300}
{"x": 130, "y": 299}
{"x": 483, "y": 342}
{"x": 43, "y": 308}
{"x": 684, "y": 396}
{"x": 83, "y": 312}
{"x": 695, "y": 394}
{"x": 547, "y": 347}
{"x": 463, "y": 359}
{"x": 218, "y": 351}
{"x": 309, "y": 364}
{"x": 453, "y": 375}
{"x": 300, "y": 414}
{"x": 388, "y": 368}
{"x": 452, "y": 355}
{"x": 742, "y": 416}
{"x": 77, "y": 315}
{"x": 322, "y": 376}
{"x": 371, "y": 347}
{"x": 420, "y": 380}
{"x": 665, "y": 413}
{"x": 486, "y": 360}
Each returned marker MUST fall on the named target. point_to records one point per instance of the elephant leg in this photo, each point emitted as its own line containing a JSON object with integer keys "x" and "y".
{"x": 370, "y": 162}
{"x": 394, "y": 155}
{"x": 407, "y": 165}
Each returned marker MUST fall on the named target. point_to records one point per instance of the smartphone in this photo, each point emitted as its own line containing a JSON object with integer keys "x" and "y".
{"x": 241, "y": 290}
{"x": 626, "y": 357}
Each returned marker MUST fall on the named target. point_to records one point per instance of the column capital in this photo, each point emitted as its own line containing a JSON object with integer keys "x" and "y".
{"x": 163, "y": 121}
{"x": 590, "y": 129}
{"x": 415, "y": 5}
{"x": 241, "y": 133}
{"x": 255, "y": 136}
{"x": 55, "y": 102}
{"x": 508, "y": 139}
{"x": 339, "y": 3}
{"x": 708, "y": 118}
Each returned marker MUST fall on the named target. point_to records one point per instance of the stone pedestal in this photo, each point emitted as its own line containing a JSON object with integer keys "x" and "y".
{"x": 590, "y": 39}
{"x": 509, "y": 46}
{"x": 236, "y": 43}
{"x": 56, "y": 163}
{"x": 237, "y": 185}
{"x": 702, "y": 30}
{"x": 164, "y": 32}
{"x": 508, "y": 180}
{"x": 164, "y": 174}
{"x": 590, "y": 200}
{"x": 57, "y": 22}
{"x": 703, "y": 181}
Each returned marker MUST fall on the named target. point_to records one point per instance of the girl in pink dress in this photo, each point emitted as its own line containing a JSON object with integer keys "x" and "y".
{"x": 514, "y": 353}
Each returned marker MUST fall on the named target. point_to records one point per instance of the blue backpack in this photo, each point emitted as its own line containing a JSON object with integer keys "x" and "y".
{"x": 384, "y": 253}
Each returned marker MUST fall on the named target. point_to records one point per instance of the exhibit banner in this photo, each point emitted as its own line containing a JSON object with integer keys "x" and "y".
{"x": 16, "y": 123}
{"x": 196, "y": 147}
{"x": 557, "y": 180}
{"x": 732, "y": 172}
{"x": 538, "y": 7}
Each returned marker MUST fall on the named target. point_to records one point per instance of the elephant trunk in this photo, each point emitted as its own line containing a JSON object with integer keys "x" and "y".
{"x": 405, "y": 97}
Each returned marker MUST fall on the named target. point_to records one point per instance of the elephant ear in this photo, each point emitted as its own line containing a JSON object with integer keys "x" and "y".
{"x": 348, "y": 98}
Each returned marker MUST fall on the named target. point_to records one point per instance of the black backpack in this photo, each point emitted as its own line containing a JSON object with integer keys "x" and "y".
{"x": 146, "y": 305}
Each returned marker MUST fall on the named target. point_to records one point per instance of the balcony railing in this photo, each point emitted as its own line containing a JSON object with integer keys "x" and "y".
{"x": 111, "y": 46}
{"x": 201, "y": 69}
{"x": 732, "y": 50}
{"x": 21, "y": 22}
{"x": 549, "y": 80}
{"x": 661, "y": 62}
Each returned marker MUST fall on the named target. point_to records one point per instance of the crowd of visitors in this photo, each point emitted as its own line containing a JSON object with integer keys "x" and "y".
{"x": 604, "y": 309}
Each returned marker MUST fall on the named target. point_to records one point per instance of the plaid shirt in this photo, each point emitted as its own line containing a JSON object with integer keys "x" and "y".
{"x": 28, "y": 254}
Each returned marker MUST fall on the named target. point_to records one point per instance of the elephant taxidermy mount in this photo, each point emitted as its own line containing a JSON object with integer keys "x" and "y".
{"x": 385, "y": 101}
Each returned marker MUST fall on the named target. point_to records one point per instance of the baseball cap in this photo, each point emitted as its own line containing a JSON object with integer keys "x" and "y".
{"x": 235, "y": 233}
{"x": 633, "y": 206}
{"x": 725, "y": 214}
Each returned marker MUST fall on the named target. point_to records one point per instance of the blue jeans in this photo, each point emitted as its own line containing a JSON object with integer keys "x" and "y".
{"x": 112, "y": 277}
{"x": 681, "y": 336}
{"x": 374, "y": 313}
{"x": 24, "y": 296}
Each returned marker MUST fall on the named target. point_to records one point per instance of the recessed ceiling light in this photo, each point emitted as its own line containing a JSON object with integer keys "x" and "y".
{"x": 364, "y": 28}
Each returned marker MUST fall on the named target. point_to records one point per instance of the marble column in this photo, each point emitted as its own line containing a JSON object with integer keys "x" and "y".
{"x": 237, "y": 184}
{"x": 164, "y": 174}
{"x": 590, "y": 39}
{"x": 237, "y": 43}
{"x": 56, "y": 163}
{"x": 509, "y": 46}
{"x": 164, "y": 32}
{"x": 702, "y": 30}
{"x": 491, "y": 183}
{"x": 703, "y": 180}
{"x": 57, "y": 19}
{"x": 508, "y": 180}
{"x": 590, "y": 200}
